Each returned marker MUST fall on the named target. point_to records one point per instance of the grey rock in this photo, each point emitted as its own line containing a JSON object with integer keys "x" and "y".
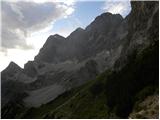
{"x": 72, "y": 61}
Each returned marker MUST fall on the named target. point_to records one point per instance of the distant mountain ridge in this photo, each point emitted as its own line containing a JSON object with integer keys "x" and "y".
{"x": 71, "y": 61}
{"x": 81, "y": 43}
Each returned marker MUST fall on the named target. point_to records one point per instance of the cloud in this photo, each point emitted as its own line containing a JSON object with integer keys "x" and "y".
{"x": 117, "y": 6}
{"x": 23, "y": 17}
{"x": 67, "y": 2}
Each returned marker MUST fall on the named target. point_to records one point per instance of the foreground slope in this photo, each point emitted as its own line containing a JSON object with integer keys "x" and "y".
{"x": 113, "y": 94}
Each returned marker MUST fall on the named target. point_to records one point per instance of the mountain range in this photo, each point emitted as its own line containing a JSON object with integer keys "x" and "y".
{"x": 107, "y": 70}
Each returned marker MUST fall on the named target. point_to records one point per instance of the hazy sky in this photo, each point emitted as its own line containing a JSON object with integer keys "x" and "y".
{"x": 26, "y": 24}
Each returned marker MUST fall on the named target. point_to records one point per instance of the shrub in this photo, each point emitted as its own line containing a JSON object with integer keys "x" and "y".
{"x": 97, "y": 88}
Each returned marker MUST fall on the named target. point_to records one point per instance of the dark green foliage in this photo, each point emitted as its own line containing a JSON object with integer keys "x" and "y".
{"x": 98, "y": 85}
{"x": 122, "y": 86}
{"x": 82, "y": 105}
{"x": 147, "y": 91}
{"x": 111, "y": 95}
{"x": 97, "y": 88}
{"x": 41, "y": 112}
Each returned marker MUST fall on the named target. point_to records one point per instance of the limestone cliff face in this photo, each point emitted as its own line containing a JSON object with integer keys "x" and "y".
{"x": 143, "y": 23}
{"x": 81, "y": 44}
{"x": 51, "y": 50}
{"x": 141, "y": 16}
{"x": 72, "y": 61}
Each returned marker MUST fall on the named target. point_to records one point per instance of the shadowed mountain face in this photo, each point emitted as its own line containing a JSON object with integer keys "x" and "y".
{"x": 72, "y": 61}
{"x": 101, "y": 34}
{"x": 66, "y": 63}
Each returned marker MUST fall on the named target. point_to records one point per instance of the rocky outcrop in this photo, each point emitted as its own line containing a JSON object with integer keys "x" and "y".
{"x": 30, "y": 69}
{"x": 147, "y": 109}
{"x": 12, "y": 92}
{"x": 143, "y": 22}
{"x": 10, "y": 71}
{"x": 51, "y": 50}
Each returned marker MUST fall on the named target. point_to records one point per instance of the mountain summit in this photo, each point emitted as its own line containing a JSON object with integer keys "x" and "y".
{"x": 102, "y": 30}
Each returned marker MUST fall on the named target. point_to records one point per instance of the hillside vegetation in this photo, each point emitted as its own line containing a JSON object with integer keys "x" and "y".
{"x": 113, "y": 94}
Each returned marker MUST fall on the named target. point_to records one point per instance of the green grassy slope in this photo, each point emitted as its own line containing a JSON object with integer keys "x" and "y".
{"x": 111, "y": 95}
{"x": 88, "y": 101}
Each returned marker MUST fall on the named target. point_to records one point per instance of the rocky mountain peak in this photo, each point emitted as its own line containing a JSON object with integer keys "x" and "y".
{"x": 105, "y": 23}
{"x": 76, "y": 34}
{"x": 76, "y": 31}
{"x": 10, "y": 71}
{"x": 50, "y": 48}
{"x": 57, "y": 36}
{"x": 13, "y": 67}
{"x": 29, "y": 69}
{"x": 108, "y": 15}
{"x": 79, "y": 29}
{"x": 58, "y": 49}
{"x": 52, "y": 38}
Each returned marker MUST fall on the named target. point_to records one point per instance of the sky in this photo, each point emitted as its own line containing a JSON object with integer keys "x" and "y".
{"x": 26, "y": 24}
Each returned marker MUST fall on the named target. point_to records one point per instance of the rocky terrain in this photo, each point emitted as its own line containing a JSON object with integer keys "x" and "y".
{"x": 105, "y": 69}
